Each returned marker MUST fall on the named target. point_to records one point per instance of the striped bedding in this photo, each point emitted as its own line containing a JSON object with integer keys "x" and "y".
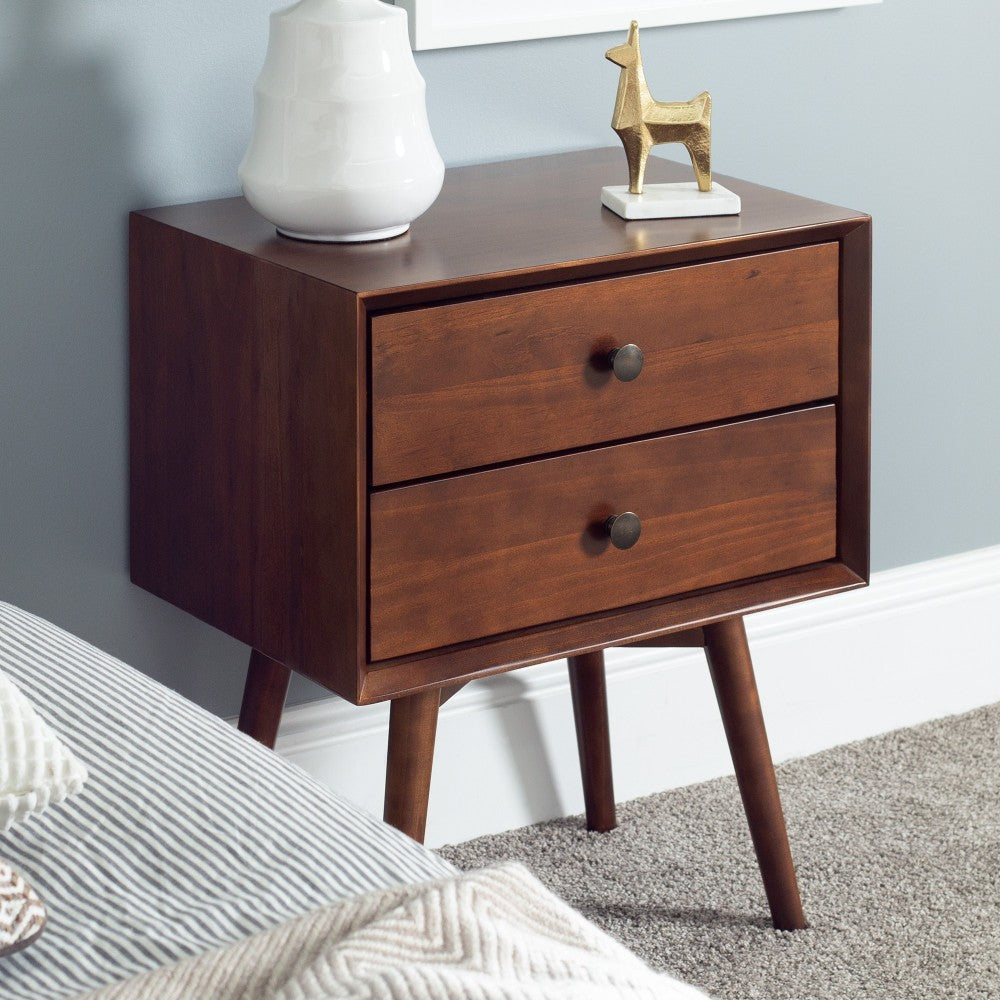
{"x": 187, "y": 836}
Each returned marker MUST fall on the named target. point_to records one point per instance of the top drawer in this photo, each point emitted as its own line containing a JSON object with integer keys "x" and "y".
{"x": 505, "y": 377}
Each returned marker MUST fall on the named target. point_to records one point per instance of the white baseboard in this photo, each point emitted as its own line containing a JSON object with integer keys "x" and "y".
{"x": 920, "y": 643}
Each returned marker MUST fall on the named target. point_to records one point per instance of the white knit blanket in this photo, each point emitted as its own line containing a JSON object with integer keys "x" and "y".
{"x": 36, "y": 768}
{"x": 495, "y": 934}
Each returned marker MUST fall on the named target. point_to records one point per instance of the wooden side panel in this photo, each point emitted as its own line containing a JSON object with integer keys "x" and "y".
{"x": 482, "y": 554}
{"x": 495, "y": 379}
{"x": 246, "y": 449}
{"x": 854, "y": 431}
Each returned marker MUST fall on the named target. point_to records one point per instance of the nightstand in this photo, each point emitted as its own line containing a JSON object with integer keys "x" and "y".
{"x": 525, "y": 430}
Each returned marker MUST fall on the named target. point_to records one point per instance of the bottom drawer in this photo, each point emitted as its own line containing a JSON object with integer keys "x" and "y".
{"x": 477, "y": 555}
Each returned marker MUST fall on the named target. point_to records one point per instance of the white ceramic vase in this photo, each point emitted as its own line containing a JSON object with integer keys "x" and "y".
{"x": 341, "y": 149}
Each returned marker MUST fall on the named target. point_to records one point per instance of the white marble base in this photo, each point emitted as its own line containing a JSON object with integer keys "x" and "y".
{"x": 670, "y": 201}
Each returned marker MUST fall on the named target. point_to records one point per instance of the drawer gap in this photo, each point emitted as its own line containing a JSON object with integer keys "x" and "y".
{"x": 672, "y": 432}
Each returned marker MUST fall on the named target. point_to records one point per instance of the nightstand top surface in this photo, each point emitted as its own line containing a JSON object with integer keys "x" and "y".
{"x": 521, "y": 217}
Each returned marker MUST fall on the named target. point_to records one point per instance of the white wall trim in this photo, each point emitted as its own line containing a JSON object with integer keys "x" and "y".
{"x": 437, "y": 24}
{"x": 922, "y": 642}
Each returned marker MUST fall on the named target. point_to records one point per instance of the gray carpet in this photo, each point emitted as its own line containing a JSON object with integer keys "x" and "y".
{"x": 897, "y": 844}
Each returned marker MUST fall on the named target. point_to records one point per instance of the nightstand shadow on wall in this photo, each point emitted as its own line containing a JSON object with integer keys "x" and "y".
{"x": 516, "y": 713}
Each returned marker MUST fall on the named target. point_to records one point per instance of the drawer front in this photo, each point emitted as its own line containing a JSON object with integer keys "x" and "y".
{"x": 490, "y": 552}
{"x": 492, "y": 380}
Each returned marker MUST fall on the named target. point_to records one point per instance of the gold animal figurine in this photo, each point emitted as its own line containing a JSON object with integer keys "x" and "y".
{"x": 642, "y": 123}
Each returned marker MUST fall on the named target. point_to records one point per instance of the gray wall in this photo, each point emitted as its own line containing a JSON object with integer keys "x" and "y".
{"x": 108, "y": 105}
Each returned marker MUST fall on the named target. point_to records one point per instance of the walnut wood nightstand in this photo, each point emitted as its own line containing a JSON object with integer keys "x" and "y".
{"x": 520, "y": 432}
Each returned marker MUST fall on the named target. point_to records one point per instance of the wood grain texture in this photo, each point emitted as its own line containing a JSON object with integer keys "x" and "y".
{"x": 250, "y": 413}
{"x": 510, "y": 548}
{"x": 720, "y": 340}
{"x": 736, "y": 689}
{"x": 263, "y": 698}
{"x": 247, "y": 450}
{"x": 586, "y": 633}
{"x": 412, "y": 733}
{"x": 542, "y": 221}
{"x": 257, "y": 507}
{"x": 593, "y": 738}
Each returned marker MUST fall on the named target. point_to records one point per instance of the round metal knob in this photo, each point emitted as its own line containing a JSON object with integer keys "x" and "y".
{"x": 623, "y": 529}
{"x": 626, "y": 362}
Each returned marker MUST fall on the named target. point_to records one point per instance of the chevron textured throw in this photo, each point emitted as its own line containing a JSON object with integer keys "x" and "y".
{"x": 22, "y": 915}
{"x": 495, "y": 934}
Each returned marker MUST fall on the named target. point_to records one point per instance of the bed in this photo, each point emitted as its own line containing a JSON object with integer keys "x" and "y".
{"x": 189, "y": 835}
{"x": 192, "y": 844}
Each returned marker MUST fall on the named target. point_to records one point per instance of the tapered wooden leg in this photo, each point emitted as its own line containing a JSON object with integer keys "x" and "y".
{"x": 590, "y": 709}
{"x": 732, "y": 674}
{"x": 263, "y": 698}
{"x": 412, "y": 729}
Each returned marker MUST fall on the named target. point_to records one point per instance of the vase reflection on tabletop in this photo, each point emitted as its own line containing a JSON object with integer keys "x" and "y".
{"x": 341, "y": 149}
